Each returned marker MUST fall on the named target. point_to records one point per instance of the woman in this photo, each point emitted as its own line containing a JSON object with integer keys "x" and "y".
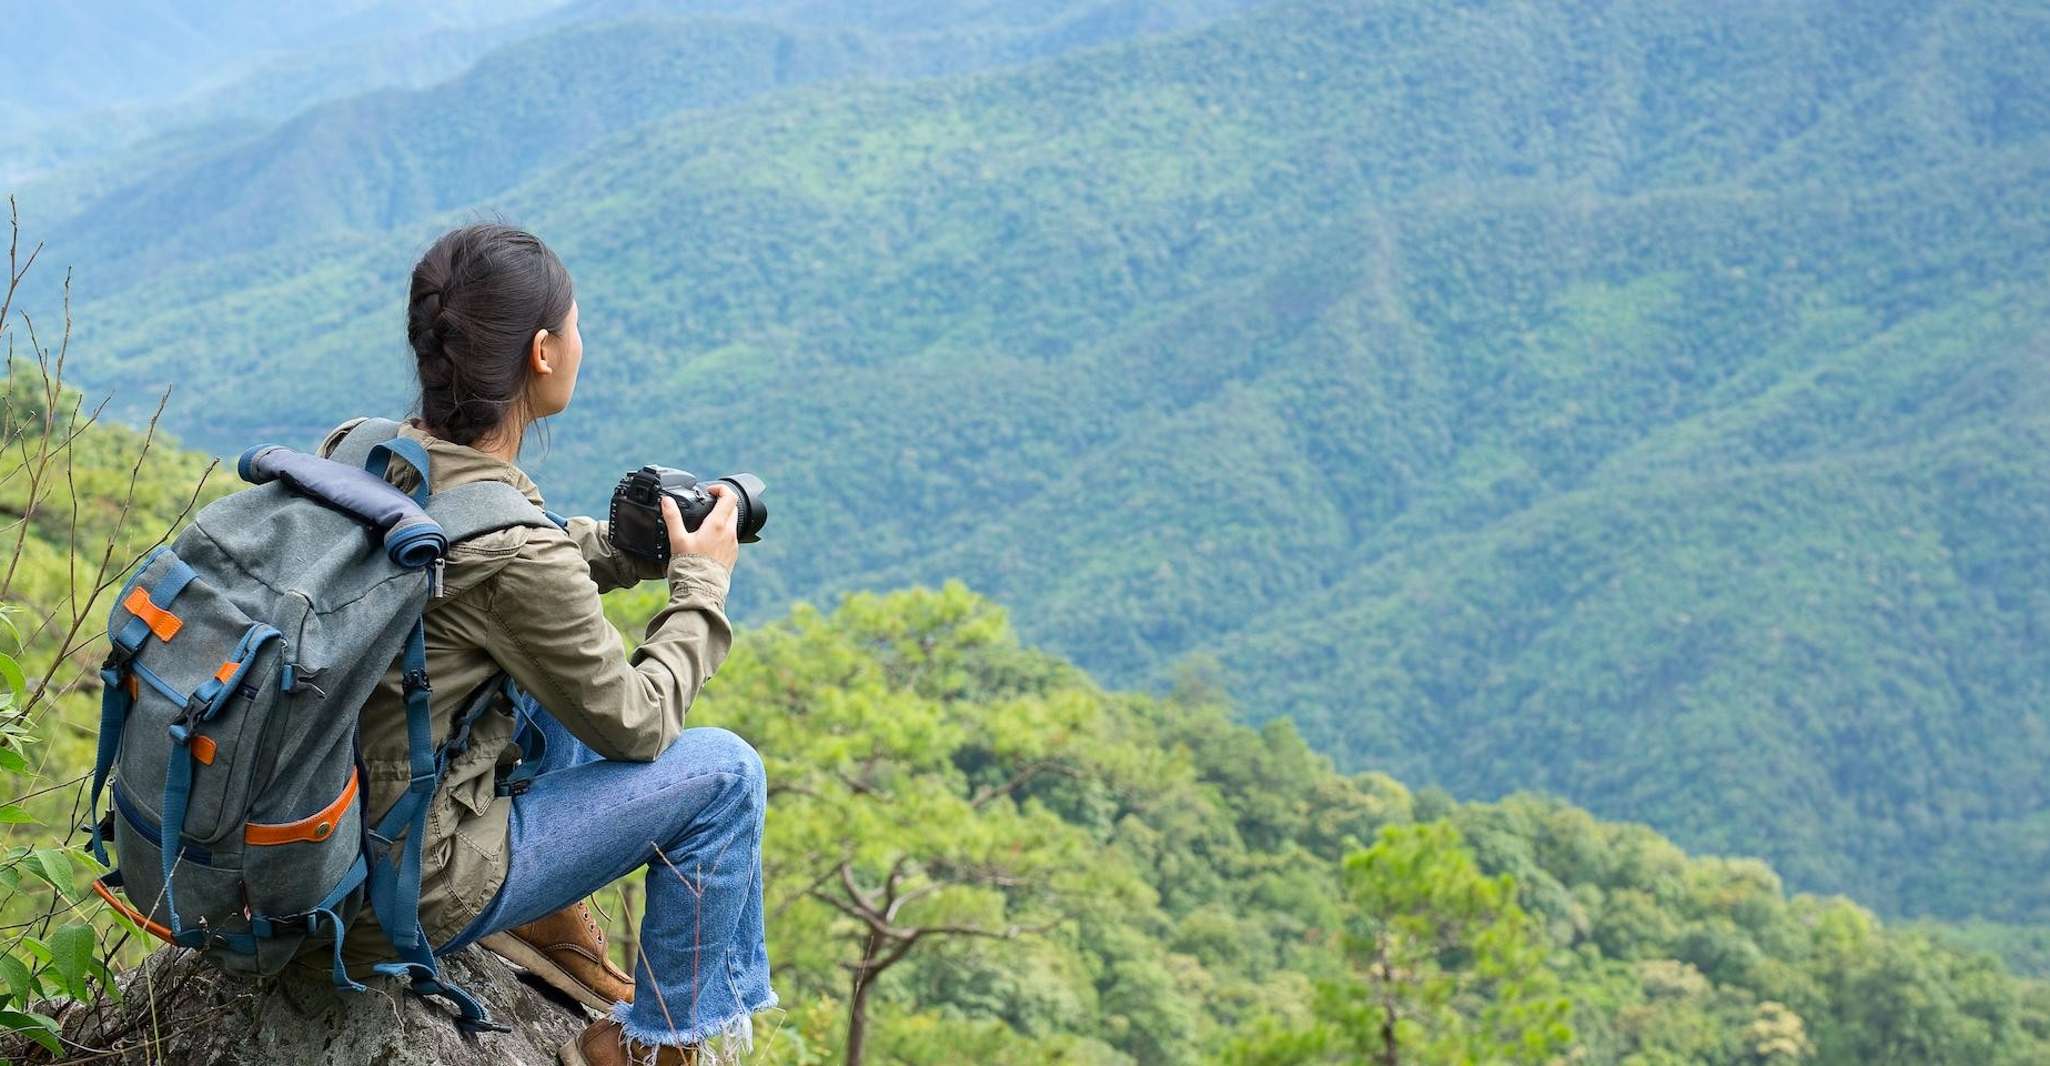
{"x": 622, "y": 785}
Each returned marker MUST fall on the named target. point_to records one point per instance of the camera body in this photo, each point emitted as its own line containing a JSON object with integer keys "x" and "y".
{"x": 635, "y": 524}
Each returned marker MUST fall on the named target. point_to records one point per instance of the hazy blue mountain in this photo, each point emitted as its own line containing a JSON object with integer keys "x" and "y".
{"x": 104, "y": 89}
{"x": 240, "y": 180}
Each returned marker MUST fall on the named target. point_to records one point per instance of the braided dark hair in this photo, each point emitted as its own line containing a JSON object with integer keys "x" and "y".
{"x": 478, "y": 296}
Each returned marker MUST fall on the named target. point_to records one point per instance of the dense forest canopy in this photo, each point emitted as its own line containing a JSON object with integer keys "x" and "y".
{"x": 1638, "y": 402}
{"x": 1113, "y": 878}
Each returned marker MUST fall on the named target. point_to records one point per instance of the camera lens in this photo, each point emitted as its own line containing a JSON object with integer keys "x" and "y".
{"x": 750, "y": 514}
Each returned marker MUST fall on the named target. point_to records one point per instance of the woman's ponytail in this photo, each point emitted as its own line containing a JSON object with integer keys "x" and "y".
{"x": 478, "y": 296}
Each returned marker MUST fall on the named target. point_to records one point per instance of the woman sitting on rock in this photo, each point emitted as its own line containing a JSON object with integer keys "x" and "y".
{"x": 622, "y": 785}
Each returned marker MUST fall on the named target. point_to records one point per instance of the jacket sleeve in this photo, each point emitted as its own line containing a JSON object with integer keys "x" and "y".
{"x": 610, "y": 567}
{"x": 546, "y": 627}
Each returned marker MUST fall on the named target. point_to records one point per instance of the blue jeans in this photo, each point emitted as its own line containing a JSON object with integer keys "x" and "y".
{"x": 693, "y": 818}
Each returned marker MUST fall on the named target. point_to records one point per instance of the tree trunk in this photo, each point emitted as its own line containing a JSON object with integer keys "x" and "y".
{"x": 865, "y": 973}
{"x": 857, "y": 1023}
{"x": 1390, "y": 1056}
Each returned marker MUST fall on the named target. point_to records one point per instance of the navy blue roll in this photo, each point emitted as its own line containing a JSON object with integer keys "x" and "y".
{"x": 411, "y": 539}
{"x": 415, "y": 543}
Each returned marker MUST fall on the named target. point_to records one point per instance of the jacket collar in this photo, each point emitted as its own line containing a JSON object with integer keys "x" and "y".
{"x": 459, "y": 464}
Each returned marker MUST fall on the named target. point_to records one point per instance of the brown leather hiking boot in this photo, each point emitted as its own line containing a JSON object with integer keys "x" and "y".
{"x": 605, "y": 1044}
{"x": 567, "y": 950}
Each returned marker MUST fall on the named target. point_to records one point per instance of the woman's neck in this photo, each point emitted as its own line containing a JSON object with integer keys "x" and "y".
{"x": 502, "y": 443}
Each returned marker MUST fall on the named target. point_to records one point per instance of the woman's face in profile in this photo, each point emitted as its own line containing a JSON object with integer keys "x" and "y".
{"x": 563, "y": 352}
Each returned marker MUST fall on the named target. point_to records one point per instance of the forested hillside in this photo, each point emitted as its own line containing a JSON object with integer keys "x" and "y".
{"x": 1641, "y": 402}
{"x": 1072, "y": 874}
{"x": 1155, "y": 883}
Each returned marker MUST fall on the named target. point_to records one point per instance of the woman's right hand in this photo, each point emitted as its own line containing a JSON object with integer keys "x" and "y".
{"x": 717, "y": 536}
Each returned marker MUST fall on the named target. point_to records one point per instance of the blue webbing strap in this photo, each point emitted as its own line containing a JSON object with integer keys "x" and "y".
{"x": 532, "y": 742}
{"x": 162, "y": 686}
{"x": 114, "y": 705}
{"x": 325, "y": 912}
{"x": 395, "y": 887}
{"x": 395, "y": 892}
{"x": 213, "y": 693}
{"x": 407, "y": 449}
{"x": 484, "y": 697}
{"x": 178, "y": 775}
{"x": 314, "y": 920}
{"x": 115, "y": 702}
{"x": 198, "y": 707}
{"x": 173, "y": 582}
{"x": 177, "y": 792}
{"x": 427, "y": 982}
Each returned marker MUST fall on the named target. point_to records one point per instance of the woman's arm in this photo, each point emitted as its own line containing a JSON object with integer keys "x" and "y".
{"x": 545, "y": 626}
{"x": 610, "y": 567}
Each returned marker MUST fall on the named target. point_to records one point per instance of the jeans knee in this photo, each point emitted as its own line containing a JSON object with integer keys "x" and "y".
{"x": 724, "y": 749}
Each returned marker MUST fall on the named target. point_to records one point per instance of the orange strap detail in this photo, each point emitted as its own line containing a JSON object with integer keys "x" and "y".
{"x": 161, "y": 622}
{"x": 226, "y": 671}
{"x": 203, "y": 749}
{"x": 311, "y": 829}
{"x": 134, "y": 687}
{"x": 134, "y": 915}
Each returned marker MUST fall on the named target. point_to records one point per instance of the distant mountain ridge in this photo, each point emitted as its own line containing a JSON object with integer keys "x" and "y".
{"x": 100, "y": 85}
{"x": 1639, "y": 401}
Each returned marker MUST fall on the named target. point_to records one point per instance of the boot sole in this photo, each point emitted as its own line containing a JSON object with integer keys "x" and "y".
{"x": 516, "y": 951}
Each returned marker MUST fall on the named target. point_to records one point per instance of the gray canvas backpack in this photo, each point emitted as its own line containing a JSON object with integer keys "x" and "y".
{"x": 242, "y": 655}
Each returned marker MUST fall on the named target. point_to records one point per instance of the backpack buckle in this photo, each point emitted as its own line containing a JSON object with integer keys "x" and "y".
{"x": 290, "y": 923}
{"x": 414, "y": 681}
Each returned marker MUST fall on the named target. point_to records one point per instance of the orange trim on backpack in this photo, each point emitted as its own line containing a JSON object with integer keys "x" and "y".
{"x": 311, "y": 829}
{"x": 134, "y": 915}
{"x": 226, "y": 671}
{"x": 203, "y": 749}
{"x": 161, "y": 622}
{"x": 134, "y": 686}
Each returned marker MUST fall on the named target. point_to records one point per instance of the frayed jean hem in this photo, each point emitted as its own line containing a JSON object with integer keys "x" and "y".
{"x": 719, "y": 1042}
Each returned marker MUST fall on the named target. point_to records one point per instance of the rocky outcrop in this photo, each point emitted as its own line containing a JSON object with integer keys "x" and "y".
{"x": 178, "y": 1011}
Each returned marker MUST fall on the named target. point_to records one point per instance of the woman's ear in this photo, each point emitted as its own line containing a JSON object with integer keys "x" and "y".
{"x": 537, "y": 357}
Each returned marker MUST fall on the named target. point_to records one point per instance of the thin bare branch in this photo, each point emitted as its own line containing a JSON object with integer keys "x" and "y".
{"x": 1018, "y": 780}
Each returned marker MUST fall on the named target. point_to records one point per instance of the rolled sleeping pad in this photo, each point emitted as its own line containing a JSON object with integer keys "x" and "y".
{"x": 411, "y": 539}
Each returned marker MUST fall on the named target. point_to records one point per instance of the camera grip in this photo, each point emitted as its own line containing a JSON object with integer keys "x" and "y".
{"x": 637, "y": 529}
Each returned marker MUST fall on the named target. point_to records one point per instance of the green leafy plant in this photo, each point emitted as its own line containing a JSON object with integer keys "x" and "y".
{"x": 83, "y": 501}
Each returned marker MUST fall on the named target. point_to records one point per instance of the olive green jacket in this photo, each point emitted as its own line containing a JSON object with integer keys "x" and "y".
{"x": 526, "y": 601}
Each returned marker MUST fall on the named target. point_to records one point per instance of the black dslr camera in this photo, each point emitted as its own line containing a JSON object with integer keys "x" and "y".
{"x": 636, "y": 523}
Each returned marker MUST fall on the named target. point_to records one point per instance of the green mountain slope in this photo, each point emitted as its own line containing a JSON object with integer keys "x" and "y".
{"x": 1196, "y": 861}
{"x": 1643, "y": 402}
{"x": 1097, "y": 877}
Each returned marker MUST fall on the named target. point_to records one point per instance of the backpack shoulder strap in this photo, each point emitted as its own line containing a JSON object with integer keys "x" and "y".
{"x": 480, "y": 507}
{"x": 464, "y": 511}
{"x": 361, "y": 435}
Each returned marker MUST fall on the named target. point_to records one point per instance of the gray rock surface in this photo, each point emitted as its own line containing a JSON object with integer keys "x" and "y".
{"x": 203, "y": 1017}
